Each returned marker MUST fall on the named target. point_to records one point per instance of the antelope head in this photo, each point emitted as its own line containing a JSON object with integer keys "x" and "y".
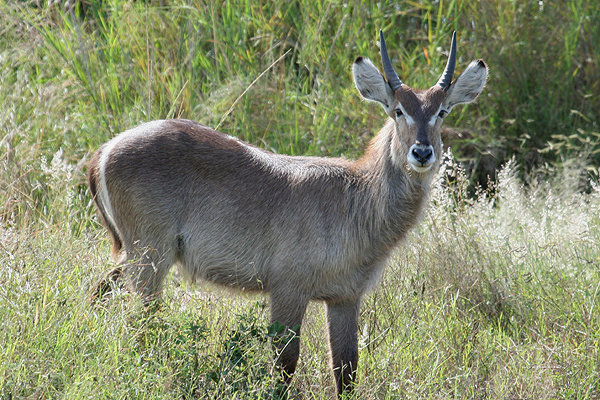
{"x": 418, "y": 115}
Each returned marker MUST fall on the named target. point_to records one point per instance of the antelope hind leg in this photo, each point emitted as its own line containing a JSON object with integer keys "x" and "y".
{"x": 145, "y": 270}
{"x": 106, "y": 284}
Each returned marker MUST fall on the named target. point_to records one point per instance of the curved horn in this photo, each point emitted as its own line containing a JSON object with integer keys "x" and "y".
{"x": 448, "y": 73}
{"x": 390, "y": 74}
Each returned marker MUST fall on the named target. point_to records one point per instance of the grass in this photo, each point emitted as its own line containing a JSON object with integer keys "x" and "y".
{"x": 494, "y": 296}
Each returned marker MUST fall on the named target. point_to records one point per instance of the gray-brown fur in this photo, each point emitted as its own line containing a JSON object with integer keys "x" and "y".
{"x": 299, "y": 228}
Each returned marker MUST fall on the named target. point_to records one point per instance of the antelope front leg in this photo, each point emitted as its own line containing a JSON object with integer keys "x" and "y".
{"x": 287, "y": 310}
{"x": 342, "y": 320}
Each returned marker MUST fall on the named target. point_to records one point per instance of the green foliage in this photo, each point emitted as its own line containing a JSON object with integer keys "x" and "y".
{"x": 175, "y": 346}
{"x": 241, "y": 366}
{"x": 277, "y": 74}
{"x": 543, "y": 56}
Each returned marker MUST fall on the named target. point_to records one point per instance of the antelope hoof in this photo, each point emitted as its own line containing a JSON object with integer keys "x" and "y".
{"x": 106, "y": 285}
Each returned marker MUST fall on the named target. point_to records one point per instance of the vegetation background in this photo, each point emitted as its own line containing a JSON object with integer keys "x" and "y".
{"x": 494, "y": 297}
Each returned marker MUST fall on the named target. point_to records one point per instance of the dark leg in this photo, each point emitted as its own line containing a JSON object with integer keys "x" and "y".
{"x": 144, "y": 272}
{"x": 146, "y": 269}
{"x": 342, "y": 320}
{"x": 106, "y": 284}
{"x": 287, "y": 311}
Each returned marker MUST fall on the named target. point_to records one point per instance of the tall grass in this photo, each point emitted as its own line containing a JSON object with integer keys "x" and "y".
{"x": 74, "y": 77}
{"x": 493, "y": 296}
{"x": 496, "y": 296}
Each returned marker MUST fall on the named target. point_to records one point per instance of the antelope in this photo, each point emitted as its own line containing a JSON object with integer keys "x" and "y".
{"x": 298, "y": 228}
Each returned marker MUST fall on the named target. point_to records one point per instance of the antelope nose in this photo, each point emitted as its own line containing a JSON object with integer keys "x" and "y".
{"x": 421, "y": 157}
{"x": 422, "y": 153}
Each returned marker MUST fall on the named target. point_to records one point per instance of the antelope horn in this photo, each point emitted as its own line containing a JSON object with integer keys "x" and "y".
{"x": 390, "y": 74}
{"x": 446, "y": 77}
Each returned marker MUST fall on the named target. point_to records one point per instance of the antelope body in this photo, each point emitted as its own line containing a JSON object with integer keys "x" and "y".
{"x": 300, "y": 228}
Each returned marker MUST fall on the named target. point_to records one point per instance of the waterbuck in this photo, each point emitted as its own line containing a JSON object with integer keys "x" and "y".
{"x": 299, "y": 228}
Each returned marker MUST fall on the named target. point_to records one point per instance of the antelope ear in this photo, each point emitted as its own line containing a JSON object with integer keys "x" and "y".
{"x": 468, "y": 85}
{"x": 372, "y": 85}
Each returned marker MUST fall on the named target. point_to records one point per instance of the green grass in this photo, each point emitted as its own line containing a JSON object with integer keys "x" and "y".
{"x": 494, "y": 296}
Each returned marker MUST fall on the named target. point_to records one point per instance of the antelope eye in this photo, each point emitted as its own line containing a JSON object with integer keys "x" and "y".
{"x": 398, "y": 112}
{"x": 442, "y": 113}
